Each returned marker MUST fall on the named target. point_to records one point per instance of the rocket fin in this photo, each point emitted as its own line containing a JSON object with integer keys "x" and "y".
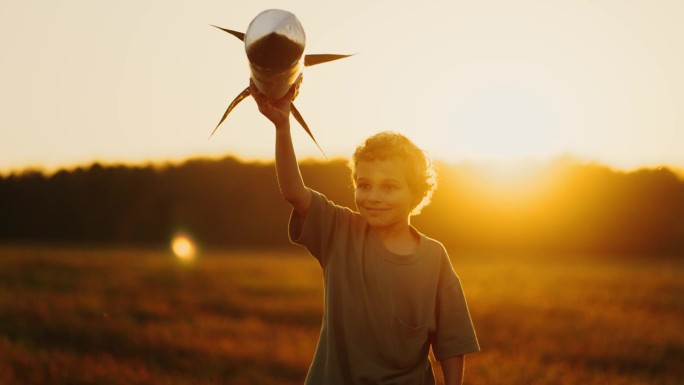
{"x": 237, "y": 34}
{"x": 312, "y": 60}
{"x": 301, "y": 121}
{"x": 245, "y": 93}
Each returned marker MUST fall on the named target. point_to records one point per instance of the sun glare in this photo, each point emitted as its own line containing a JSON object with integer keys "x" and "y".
{"x": 183, "y": 247}
{"x": 512, "y": 182}
{"x": 513, "y": 174}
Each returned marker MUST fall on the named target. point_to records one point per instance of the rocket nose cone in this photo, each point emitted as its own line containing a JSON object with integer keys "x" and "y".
{"x": 275, "y": 40}
{"x": 278, "y": 21}
{"x": 274, "y": 51}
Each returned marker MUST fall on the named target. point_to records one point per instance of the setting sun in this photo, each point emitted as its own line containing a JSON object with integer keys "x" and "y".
{"x": 183, "y": 247}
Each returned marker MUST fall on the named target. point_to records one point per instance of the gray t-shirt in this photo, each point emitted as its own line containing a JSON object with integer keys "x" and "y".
{"x": 382, "y": 310}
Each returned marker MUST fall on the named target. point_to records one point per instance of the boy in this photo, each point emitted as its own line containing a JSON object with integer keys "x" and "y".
{"x": 390, "y": 291}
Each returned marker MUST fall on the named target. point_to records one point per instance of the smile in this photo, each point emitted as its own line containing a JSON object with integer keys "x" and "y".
{"x": 375, "y": 210}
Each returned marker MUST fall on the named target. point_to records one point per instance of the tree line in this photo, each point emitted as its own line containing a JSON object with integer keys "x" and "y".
{"x": 567, "y": 207}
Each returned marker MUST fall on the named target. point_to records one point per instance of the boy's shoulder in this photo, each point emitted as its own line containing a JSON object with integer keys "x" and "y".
{"x": 432, "y": 246}
{"x": 322, "y": 205}
{"x": 433, "y": 249}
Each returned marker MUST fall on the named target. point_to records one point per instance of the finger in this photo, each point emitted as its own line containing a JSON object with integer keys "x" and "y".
{"x": 289, "y": 96}
{"x": 253, "y": 89}
{"x": 258, "y": 96}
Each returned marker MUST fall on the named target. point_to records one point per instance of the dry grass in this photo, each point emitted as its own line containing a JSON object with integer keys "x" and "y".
{"x": 87, "y": 316}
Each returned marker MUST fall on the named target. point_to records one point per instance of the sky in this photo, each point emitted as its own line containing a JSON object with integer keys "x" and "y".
{"x": 139, "y": 81}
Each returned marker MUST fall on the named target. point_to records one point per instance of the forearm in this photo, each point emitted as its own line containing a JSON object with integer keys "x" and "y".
{"x": 289, "y": 177}
{"x": 452, "y": 369}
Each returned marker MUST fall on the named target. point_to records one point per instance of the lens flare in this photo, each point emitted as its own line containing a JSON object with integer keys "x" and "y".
{"x": 183, "y": 247}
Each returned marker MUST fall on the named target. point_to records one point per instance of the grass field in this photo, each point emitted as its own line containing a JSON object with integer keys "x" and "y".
{"x": 134, "y": 316}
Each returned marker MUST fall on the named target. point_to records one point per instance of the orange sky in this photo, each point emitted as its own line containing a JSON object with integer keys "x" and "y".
{"x": 134, "y": 81}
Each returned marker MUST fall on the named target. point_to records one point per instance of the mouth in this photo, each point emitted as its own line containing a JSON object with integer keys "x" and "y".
{"x": 375, "y": 210}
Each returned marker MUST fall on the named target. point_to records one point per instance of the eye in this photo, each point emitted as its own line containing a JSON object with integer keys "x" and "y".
{"x": 389, "y": 187}
{"x": 362, "y": 186}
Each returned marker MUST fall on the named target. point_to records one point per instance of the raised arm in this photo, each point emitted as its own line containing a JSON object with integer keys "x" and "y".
{"x": 289, "y": 177}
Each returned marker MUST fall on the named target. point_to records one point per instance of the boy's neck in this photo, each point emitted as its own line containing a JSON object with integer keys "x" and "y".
{"x": 402, "y": 240}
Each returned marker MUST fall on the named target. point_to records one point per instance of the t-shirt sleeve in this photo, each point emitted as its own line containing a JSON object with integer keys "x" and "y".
{"x": 317, "y": 230}
{"x": 455, "y": 334}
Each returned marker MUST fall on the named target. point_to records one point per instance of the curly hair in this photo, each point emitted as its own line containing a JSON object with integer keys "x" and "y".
{"x": 420, "y": 172}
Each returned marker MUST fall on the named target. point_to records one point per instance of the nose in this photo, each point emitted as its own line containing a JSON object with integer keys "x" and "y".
{"x": 374, "y": 195}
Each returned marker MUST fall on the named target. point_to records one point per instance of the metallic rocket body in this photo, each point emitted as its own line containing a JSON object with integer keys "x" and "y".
{"x": 274, "y": 44}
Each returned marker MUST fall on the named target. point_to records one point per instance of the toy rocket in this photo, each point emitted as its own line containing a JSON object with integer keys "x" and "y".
{"x": 274, "y": 43}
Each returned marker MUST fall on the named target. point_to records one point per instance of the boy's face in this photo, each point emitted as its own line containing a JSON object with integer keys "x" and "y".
{"x": 382, "y": 193}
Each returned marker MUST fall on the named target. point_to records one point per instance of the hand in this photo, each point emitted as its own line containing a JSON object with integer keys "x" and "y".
{"x": 278, "y": 111}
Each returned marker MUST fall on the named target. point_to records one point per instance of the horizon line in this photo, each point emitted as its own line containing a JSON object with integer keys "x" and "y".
{"x": 177, "y": 161}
